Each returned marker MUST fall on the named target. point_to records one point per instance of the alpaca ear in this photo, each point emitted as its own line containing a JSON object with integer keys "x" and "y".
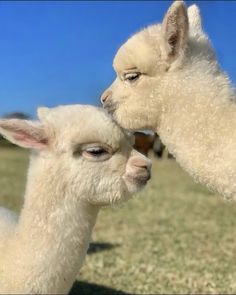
{"x": 27, "y": 134}
{"x": 195, "y": 21}
{"x": 175, "y": 29}
{"x": 42, "y": 112}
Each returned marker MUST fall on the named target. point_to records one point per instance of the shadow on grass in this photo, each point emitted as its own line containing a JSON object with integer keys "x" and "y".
{"x": 98, "y": 247}
{"x": 85, "y": 288}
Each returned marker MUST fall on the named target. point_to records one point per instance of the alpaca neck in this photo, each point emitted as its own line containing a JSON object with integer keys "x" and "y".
{"x": 197, "y": 122}
{"x": 52, "y": 238}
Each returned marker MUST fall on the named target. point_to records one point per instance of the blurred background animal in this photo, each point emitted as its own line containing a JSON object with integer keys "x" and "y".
{"x": 149, "y": 141}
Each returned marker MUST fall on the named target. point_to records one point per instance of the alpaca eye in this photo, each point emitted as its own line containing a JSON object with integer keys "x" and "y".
{"x": 132, "y": 77}
{"x": 96, "y": 153}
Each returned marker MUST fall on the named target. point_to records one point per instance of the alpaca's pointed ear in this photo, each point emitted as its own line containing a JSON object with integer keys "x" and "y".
{"x": 175, "y": 29}
{"x": 195, "y": 21}
{"x": 24, "y": 133}
{"x": 42, "y": 112}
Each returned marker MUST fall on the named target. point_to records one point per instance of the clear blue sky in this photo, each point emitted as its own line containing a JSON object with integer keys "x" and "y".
{"x": 61, "y": 52}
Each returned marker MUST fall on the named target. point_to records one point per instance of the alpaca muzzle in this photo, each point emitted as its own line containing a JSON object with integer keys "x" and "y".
{"x": 138, "y": 170}
{"x": 107, "y": 94}
{"x": 110, "y": 107}
{"x": 107, "y": 102}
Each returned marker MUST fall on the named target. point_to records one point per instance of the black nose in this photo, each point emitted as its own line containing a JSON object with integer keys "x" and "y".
{"x": 106, "y": 95}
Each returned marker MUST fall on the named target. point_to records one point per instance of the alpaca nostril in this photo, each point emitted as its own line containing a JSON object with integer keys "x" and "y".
{"x": 141, "y": 163}
{"x": 106, "y": 95}
{"x": 144, "y": 166}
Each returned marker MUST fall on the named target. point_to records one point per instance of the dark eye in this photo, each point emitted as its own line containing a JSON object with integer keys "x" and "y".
{"x": 132, "y": 77}
{"x": 96, "y": 153}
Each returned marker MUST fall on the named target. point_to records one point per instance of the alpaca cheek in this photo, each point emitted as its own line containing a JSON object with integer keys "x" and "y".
{"x": 123, "y": 118}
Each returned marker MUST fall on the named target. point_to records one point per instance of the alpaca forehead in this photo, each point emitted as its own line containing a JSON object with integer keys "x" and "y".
{"x": 100, "y": 133}
{"x": 112, "y": 138}
{"x": 77, "y": 117}
{"x": 140, "y": 51}
{"x": 78, "y": 124}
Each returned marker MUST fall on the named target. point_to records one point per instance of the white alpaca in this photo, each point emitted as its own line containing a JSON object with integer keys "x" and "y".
{"x": 168, "y": 80}
{"x": 82, "y": 160}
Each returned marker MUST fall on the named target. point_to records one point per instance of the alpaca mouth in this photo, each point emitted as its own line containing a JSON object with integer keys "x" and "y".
{"x": 140, "y": 180}
{"x": 110, "y": 107}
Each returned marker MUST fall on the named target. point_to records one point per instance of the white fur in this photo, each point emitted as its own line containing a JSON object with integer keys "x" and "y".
{"x": 183, "y": 96}
{"x": 66, "y": 187}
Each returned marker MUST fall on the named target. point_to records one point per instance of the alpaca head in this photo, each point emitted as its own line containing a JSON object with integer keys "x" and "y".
{"x": 80, "y": 152}
{"x": 146, "y": 63}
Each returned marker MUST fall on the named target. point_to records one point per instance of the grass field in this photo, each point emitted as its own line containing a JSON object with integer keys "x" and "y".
{"x": 175, "y": 237}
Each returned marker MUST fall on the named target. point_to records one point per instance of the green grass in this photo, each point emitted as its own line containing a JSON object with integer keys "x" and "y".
{"x": 13, "y": 166}
{"x": 175, "y": 237}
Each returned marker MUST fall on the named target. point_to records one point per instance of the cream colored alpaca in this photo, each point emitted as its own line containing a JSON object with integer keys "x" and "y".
{"x": 82, "y": 161}
{"x": 168, "y": 80}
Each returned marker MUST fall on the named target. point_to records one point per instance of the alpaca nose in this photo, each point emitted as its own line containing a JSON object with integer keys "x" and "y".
{"x": 138, "y": 169}
{"x": 141, "y": 162}
{"x": 106, "y": 95}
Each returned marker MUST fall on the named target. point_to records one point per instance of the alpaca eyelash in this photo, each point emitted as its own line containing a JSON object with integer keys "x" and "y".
{"x": 131, "y": 77}
{"x": 96, "y": 151}
{"x": 91, "y": 151}
{"x": 96, "y": 154}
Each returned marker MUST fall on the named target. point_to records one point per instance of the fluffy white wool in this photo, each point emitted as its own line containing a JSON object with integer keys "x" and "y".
{"x": 181, "y": 93}
{"x": 66, "y": 187}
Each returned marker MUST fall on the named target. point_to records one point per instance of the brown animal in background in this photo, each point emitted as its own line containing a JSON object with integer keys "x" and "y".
{"x": 144, "y": 142}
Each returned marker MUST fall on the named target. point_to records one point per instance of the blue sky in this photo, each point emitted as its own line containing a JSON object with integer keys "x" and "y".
{"x": 55, "y": 53}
